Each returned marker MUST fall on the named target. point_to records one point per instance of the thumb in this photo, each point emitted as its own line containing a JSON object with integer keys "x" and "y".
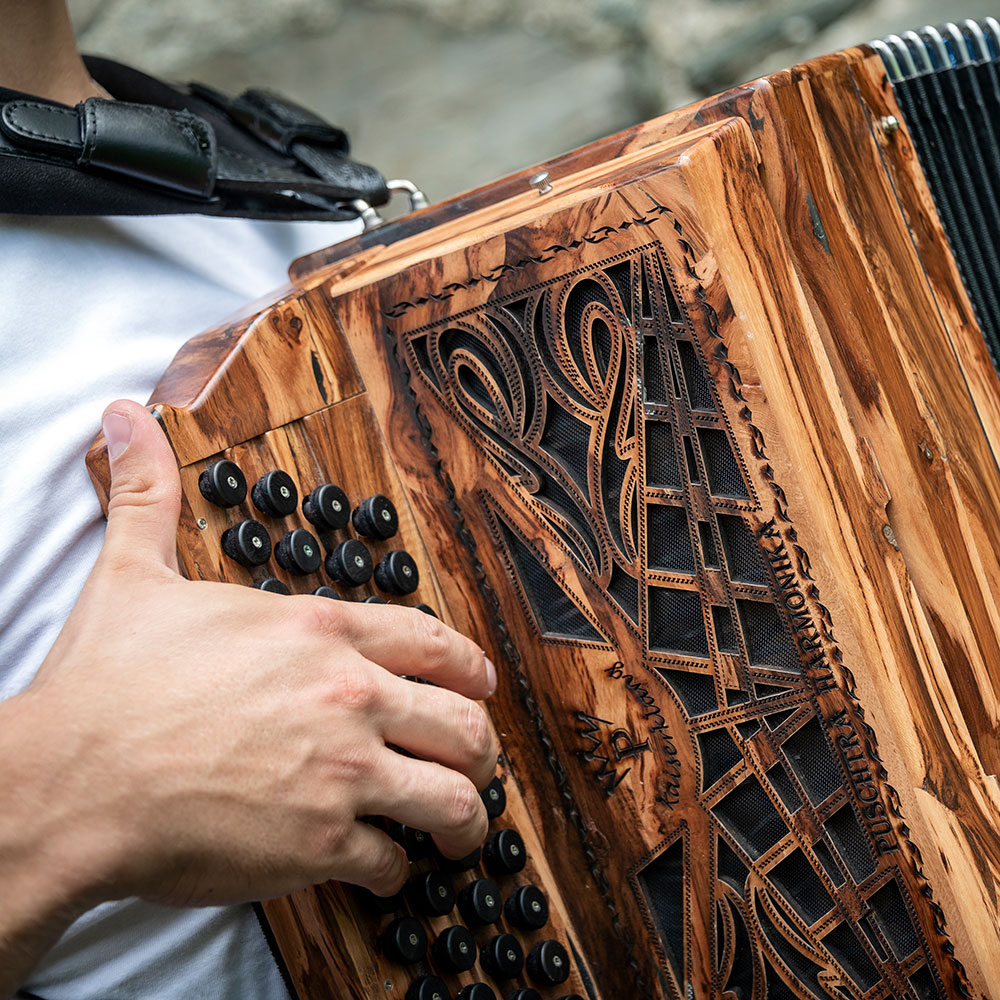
{"x": 145, "y": 498}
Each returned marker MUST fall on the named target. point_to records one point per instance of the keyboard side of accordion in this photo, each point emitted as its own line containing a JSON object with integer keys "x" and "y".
{"x": 701, "y": 446}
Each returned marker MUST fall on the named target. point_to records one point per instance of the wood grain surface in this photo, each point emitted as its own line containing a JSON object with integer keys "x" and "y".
{"x": 701, "y": 446}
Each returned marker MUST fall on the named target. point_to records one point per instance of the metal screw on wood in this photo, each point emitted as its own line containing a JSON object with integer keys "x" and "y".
{"x": 890, "y": 124}
{"x": 540, "y": 182}
{"x": 202, "y": 523}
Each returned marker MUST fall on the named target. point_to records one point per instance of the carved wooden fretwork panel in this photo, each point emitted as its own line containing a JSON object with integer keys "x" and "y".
{"x": 645, "y": 541}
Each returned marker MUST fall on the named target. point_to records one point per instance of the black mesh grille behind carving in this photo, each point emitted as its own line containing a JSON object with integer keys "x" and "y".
{"x": 751, "y": 818}
{"x": 893, "y": 919}
{"x": 555, "y": 613}
{"x": 813, "y": 761}
{"x": 847, "y": 949}
{"x": 698, "y": 392}
{"x": 676, "y": 624}
{"x": 767, "y": 638}
{"x": 850, "y": 841}
{"x": 743, "y": 558}
{"x": 668, "y": 541}
{"x": 724, "y": 477}
{"x": 696, "y": 691}
{"x": 661, "y": 458}
{"x": 662, "y": 883}
{"x": 801, "y": 886}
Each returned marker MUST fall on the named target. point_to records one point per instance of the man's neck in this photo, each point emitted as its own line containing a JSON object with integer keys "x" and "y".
{"x": 38, "y": 53}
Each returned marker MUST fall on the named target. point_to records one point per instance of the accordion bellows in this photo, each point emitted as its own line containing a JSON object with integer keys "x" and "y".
{"x": 701, "y": 446}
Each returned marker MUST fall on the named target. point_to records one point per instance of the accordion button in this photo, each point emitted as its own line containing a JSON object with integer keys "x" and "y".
{"x": 455, "y": 949}
{"x": 397, "y": 573}
{"x": 404, "y": 941}
{"x": 494, "y": 798}
{"x": 223, "y": 484}
{"x": 479, "y": 902}
{"x": 375, "y": 599}
{"x": 502, "y": 956}
{"x": 350, "y": 563}
{"x": 426, "y": 609}
{"x": 524, "y": 993}
{"x": 548, "y": 963}
{"x": 504, "y": 853}
{"x": 275, "y": 494}
{"x": 298, "y": 552}
{"x": 326, "y": 592}
{"x": 432, "y": 894}
{"x": 248, "y": 543}
{"x": 476, "y": 991}
{"x": 418, "y": 844}
{"x": 272, "y": 585}
{"x": 527, "y": 908}
{"x": 327, "y": 507}
{"x": 428, "y": 988}
{"x": 376, "y": 517}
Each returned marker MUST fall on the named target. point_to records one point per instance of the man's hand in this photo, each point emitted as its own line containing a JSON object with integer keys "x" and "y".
{"x": 203, "y": 743}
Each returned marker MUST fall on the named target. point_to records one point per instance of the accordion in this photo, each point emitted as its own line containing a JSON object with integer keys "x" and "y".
{"x": 695, "y": 429}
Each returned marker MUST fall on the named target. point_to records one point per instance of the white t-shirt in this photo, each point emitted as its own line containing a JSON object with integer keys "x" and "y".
{"x": 92, "y": 310}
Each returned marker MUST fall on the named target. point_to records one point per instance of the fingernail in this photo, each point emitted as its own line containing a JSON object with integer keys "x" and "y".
{"x": 491, "y": 675}
{"x": 117, "y": 433}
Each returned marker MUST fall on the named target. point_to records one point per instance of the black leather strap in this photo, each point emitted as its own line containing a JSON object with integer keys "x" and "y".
{"x": 258, "y": 156}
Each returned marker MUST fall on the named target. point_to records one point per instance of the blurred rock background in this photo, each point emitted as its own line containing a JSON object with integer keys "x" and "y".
{"x": 453, "y": 93}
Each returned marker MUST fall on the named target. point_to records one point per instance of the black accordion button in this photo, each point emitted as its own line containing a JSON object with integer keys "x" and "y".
{"x": 350, "y": 563}
{"x": 325, "y": 591}
{"x": 404, "y": 940}
{"x": 504, "y": 853}
{"x": 524, "y": 993}
{"x": 223, "y": 484}
{"x": 502, "y": 956}
{"x": 376, "y": 517}
{"x": 527, "y": 908}
{"x": 375, "y": 599}
{"x": 327, "y": 507}
{"x": 397, "y": 573}
{"x": 548, "y": 963}
{"x": 426, "y": 609}
{"x": 417, "y": 843}
{"x": 455, "y": 949}
{"x": 298, "y": 552}
{"x": 248, "y": 543}
{"x": 427, "y": 988}
{"x": 432, "y": 894}
{"x": 275, "y": 494}
{"x": 494, "y": 797}
{"x": 272, "y": 585}
{"x": 479, "y": 902}
{"x": 476, "y": 991}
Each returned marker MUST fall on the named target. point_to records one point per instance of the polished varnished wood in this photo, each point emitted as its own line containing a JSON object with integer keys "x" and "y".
{"x": 701, "y": 447}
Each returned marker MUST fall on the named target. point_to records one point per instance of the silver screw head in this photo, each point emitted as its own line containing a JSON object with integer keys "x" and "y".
{"x": 536, "y": 907}
{"x": 307, "y": 549}
{"x": 257, "y": 543}
{"x": 890, "y": 124}
{"x": 386, "y": 516}
{"x": 202, "y": 523}
{"x": 359, "y": 562}
{"x": 407, "y": 571}
{"x": 413, "y": 939}
{"x": 515, "y": 850}
{"x": 284, "y": 492}
{"x": 540, "y": 182}
{"x": 557, "y": 961}
{"x": 336, "y": 505}
{"x": 488, "y": 899}
{"x": 232, "y": 481}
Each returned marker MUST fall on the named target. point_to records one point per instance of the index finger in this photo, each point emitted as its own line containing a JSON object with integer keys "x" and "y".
{"x": 407, "y": 642}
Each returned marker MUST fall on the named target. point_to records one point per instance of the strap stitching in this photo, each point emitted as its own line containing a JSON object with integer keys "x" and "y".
{"x": 34, "y": 133}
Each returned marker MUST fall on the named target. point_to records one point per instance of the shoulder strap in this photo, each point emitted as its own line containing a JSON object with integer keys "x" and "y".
{"x": 161, "y": 150}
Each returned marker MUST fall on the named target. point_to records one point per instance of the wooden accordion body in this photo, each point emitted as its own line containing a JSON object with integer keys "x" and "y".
{"x": 701, "y": 446}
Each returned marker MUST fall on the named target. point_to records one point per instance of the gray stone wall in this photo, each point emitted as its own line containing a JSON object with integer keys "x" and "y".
{"x": 454, "y": 93}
